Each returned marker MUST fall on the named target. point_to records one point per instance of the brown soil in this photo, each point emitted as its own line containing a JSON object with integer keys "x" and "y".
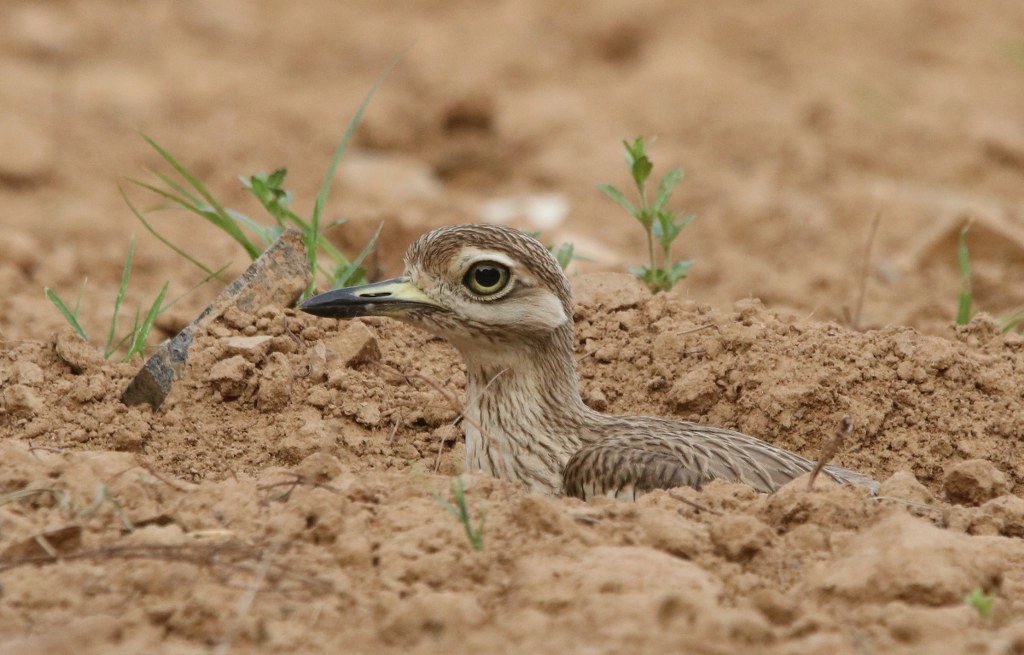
{"x": 285, "y": 499}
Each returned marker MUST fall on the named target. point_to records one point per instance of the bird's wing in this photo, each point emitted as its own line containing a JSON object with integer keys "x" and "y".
{"x": 653, "y": 453}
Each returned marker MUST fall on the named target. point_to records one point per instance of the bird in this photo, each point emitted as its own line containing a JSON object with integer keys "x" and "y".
{"x": 502, "y": 300}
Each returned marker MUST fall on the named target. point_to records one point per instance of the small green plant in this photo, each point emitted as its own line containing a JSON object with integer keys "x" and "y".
{"x": 186, "y": 192}
{"x": 982, "y": 603}
{"x": 963, "y": 311}
{"x": 966, "y": 299}
{"x": 136, "y": 337}
{"x": 135, "y": 340}
{"x": 660, "y": 224}
{"x": 460, "y": 510}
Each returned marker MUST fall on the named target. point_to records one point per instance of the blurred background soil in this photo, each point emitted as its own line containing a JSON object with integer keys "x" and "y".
{"x": 799, "y": 124}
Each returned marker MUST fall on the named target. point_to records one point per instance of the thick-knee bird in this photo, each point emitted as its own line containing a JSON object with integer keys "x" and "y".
{"x": 501, "y": 299}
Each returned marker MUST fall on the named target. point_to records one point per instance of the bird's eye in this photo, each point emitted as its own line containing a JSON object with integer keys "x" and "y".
{"x": 486, "y": 278}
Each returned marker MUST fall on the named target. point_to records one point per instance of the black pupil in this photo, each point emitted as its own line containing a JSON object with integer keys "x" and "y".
{"x": 487, "y": 276}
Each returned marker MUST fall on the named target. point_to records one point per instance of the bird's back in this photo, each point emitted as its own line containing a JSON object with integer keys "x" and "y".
{"x": 628, "y": 456}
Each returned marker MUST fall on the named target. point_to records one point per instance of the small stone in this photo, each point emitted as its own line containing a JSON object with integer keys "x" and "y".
{"x": 276, "y": 380}
{"x": 696, "y": 391}
{"x": 356, "y": 344}
{"x": 236, "y": 318}
{"x": 252, "y": 348}
{"x": 20, "y": 400}
{"x": 319, "y": 468}
{"x": 740, "y": 536}
{"x": 78, "y": 354}
{"x": 973, "y": 482}
{"x": 1008, "y": 511}
{"x": 318, "y": 397}
{"x": 228, "y": 376}
{"x": 29, "y": 373}
{"x": 368, "y": 414}
{"x": 903, "y": 485}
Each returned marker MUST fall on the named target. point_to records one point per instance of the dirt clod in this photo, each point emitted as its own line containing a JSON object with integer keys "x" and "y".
{"x": 973, "y": 482}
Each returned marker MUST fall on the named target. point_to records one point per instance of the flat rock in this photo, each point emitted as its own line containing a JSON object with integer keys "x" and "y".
{"x": 252, "y": 348}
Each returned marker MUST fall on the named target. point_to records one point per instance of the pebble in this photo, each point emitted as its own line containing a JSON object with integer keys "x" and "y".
{"x": 973, "y": 482}
{"x": 355, "y": 344}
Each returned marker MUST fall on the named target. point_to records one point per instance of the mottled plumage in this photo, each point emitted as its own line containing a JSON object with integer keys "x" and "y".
{"x": 502, "y": 300}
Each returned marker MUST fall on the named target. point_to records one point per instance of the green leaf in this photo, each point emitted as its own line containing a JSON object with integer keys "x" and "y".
{"x": 138, "y": 344}
{"x": 679, "y": 270}
{"x": 963, "y": 313}
{"x": 125, "y": 273}
{"x": 665, "y": 186}
{"x": 618, "y": 197}
{"x": 564, "y": 254}
{"x": 641, "y": 170}
{"x": 70, "y": 316}
{"x": 634, "y": 150}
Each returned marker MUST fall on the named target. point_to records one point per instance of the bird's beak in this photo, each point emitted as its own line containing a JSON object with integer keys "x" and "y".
{"x": 385, "y": 298}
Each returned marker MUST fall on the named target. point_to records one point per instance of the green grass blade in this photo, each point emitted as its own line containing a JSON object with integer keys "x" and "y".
{"x": 313, "y": 237}
{"x": 343, "y": 279}
{"x": 138, "y": 344}
{"x": 1012, "y": 321}
{"x": 223, "y": 221}
{"x": 963, "y": 313}
{"x": 120, "y": 298}
{"x": 69, "y": 316}
{"x": 172, "y": 184}
{"x": 164, "y": 240}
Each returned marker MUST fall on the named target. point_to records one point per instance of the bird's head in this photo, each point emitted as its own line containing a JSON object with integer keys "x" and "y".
{"x": 474, "y": 285}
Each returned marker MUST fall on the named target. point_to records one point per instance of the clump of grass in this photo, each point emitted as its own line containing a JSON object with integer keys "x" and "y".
{"x": 982, "y": 603}
{"x": 661, "y": 224}
{"x": 963, "y": 310}
{"x": 966, "y": 298}
{"x": 182, "y": 190}
{"x": 134, "y": 341}
{"x": 460, "y": 510}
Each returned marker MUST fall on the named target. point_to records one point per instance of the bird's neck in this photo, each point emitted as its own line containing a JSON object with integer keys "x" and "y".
{"x": 524, "y": 413}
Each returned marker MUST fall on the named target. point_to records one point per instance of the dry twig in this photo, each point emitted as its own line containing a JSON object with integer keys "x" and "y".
{"x": 831, "y": 448}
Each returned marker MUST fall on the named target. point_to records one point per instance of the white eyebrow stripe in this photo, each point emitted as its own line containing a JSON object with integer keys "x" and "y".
{"x": 471, "y": 255}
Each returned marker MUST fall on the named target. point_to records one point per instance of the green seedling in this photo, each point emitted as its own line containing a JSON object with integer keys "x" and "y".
{"x": 963, "y": 312}
{"x": 142, "y": 325}
{"x": 565, "y": 252}
{"x": 182, "y": 190}
{"x": 982, "y": 603}
{"x": 70, "y": 316}
{"x": 1014, "y": 320}
{"x": 460, "y": 510}
{"x": 660, "y": 224}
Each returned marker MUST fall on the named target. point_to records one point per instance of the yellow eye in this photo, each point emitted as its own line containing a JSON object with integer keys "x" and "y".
{"x": 486, "y": 278}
